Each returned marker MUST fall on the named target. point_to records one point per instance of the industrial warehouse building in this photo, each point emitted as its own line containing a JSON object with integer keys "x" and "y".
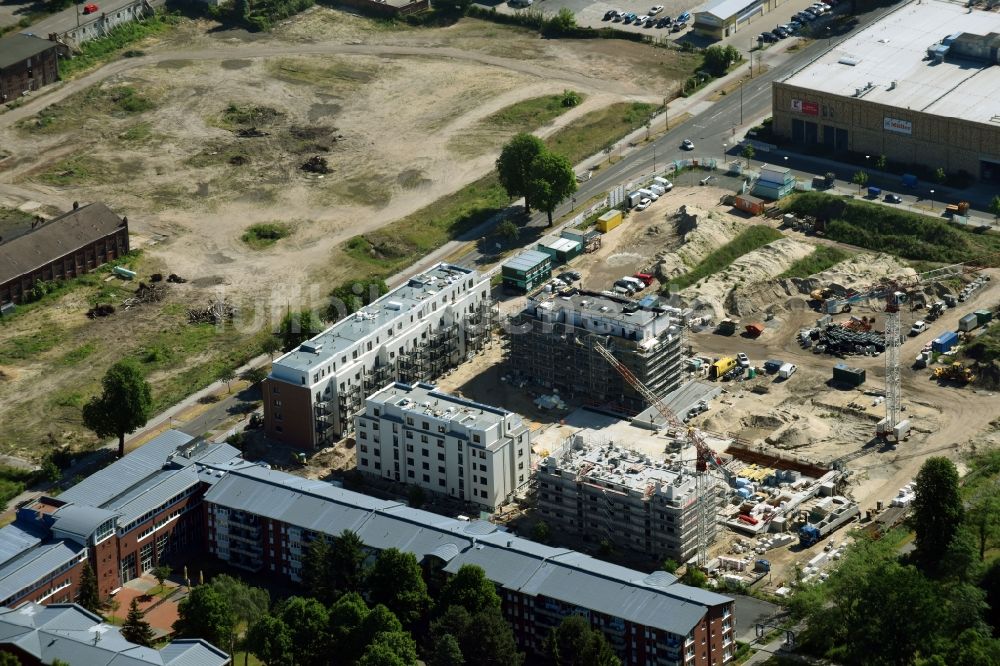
{"x": 430, "y": 324}
{"x": 551, "y": 343}
{"x": 463, "y": 449}
{"x": 26, "y": 63}
{"x": 72, "y": 244}
{"x": 721, "y": 18}
{"x": 921, "y": 86}
{"x": 262, "y": 520}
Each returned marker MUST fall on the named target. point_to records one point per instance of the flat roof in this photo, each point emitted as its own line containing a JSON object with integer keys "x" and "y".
{"x": 596, "y": 304}
{"x": 890, "y": 53}
{"x": 723, "y": 9}
{"x": 527, "y": 260}
{"x": 425, "y": 399}
{"x": 393, "y": 305}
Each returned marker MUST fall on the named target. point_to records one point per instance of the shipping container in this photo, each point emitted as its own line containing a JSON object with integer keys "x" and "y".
{"x": 609, "y": 220}
{"x": 846, "y": 375}
{"x": 968, "y": 322}
{"x": 945, "y": 342}
{"x": 721, "y": 367}
{"x": 984, "y": 317}
{"x": 750, "y": 204}
{"x": 771, "y": 366}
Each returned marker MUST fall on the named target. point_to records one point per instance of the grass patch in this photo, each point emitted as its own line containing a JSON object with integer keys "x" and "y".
{"x": 80, "y": 353}
{"x": 328, "y": 74}
{"x": 820, "y": 259}
{"x": 13, "y": 221}
{"x": 236, "y": 117}
{"x": 747, "y": 241}
{"x": 136, "y": 133}
{"x": 24, "y": 347}
{"x": 530, "y": 114}
{"x": 13, "y": 482}
{"x": 76, "y": 170}
{"x": 266, "y": 234}
{"x": 897, "y": 232}
{"x": 99, "y": 51}
{"x": 364, "y": 189}
{"x": 98, "y": 100}
{"x": 599, "y": 129}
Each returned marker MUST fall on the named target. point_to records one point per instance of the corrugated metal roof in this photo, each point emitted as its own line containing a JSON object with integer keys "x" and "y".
{"x": 511, "y": 561}
{"x": 153, "y": 493}
{"x": 193, "y": 652}
{"x": 34, "y": 564}
{"x": 79, "y": 521}
{"x": 103, "y": 486}
{"x": 527, "y": 260}
{"x": 14, "y": 540}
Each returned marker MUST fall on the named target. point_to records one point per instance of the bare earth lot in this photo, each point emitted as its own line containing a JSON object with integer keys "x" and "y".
{"x": 204, "y": 134}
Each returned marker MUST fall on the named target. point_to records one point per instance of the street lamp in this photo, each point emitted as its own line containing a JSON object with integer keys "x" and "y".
{"x": 654, "y": 158}
{"x": 932, "y": 201}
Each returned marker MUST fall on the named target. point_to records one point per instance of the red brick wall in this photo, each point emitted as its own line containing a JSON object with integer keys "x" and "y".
{"x": 15, "y": 79}
{"x": 72, "y": 576}
{"x": 294, "y": 406}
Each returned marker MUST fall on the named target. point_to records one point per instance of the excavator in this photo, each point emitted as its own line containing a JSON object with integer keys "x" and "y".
{"x": 956, "y": 372}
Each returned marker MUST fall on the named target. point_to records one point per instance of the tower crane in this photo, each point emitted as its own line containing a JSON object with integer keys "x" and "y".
{"x": 705, "y": 455}
{"x": 895, "y": 292}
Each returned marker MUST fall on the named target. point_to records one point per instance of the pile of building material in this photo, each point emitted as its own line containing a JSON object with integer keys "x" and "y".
{"x": 550, "y": 402}
{"x": 837, "y": 339}
{"x": 316, "y": 164}
{"x": 101, "y": 310}
{"x": 146, "y": 293}
{"x": 217, "y": 312}
{"x": 176, "y": 279}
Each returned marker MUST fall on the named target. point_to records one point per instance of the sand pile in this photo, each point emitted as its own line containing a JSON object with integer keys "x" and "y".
{"x": 701, "y": 233}
{"x": 727, "y": 290}
{"x": 859, "y": 271}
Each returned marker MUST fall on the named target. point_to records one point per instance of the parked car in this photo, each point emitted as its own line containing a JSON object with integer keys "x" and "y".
{"x": 919, "y": 326}
{"x": 656, "y": 9}
{"x": 90, "y": 9}
{"x": 663, "y": 22}
{"x": 651, "y": 21}
{"x": 687, "y": 144}
{"x": 743, "y": 360}
{"x": 893, "y": 198}
{"x": 779, "y": 34}
{"x": 642, "y": 19}
{"x": 617, "y": 18}
{"x": 678, "y": 26}
{"x": 811, "y": 15}
{"x": 643, "y": 204}
{"x": 766, "y": 37}
{"x": 628, "y": 18}
{"x": 684, "y": 17}
{"x": 780, "y": 30}
{"x": 567, "y": 277}
{"x": 610, "y": 14}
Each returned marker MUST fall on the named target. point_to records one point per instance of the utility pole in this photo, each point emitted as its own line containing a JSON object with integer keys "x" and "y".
{"x": 666, "y": 114}
{"x": 741, "y": 101}
{"x": 654, "y": 158}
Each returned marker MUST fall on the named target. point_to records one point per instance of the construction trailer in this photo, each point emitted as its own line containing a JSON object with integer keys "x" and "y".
{"x": 609, "y": 220}
{"x": 527, "y": 271}
{"x": 561, "y": 250}
{"x": 551, "y": 343}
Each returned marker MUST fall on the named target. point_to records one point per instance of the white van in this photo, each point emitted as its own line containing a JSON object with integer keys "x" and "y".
{"x": 664, "y": 183}
{"x": 659, "y": 191}
{"x": 649, "y": 194}
{"x": 636, "y": 282}
{"x": 919, "y": 326}
{"x": 787, "y": 370}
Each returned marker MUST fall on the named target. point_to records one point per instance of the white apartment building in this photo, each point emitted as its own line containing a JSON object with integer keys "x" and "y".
{"x": 444, "y": 444}
{"x": 435, "y": 321}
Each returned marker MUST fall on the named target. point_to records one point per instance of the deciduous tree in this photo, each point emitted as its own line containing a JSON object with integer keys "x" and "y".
{"x": 551, "y": 181}
{"x": 508, "y": 230}
{"x": 395, "y": 581}
{"x": 574, "y": 643}
{"x": 205, "y": 613}
{"x": 470, "y": 589}
{"x": 136, "y": 629}
{"x": 937, "y": 512}
{"x": 269, "y": 640}
{"x": 297, "y": 327}
{"x": 995, "y": 207}
{"x": 514, "y": 165}
{"x": 446, "y": 652}
{"x": 123, "y": 406}
{"x": 308, "y": 623}
{"x": 860, "y": 178}
{"x": 347, "y": 562}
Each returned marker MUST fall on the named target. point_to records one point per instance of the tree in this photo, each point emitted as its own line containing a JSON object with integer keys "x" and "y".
{"x": 484, "y": 638}
{"x": 347, "y": 562}
{"x": 380, "y": 654}
{"x": 694, "y": 577}
{"x": 227, "y": 375}
{"x": 670, "y": 565}
{"x": 253, "y": 376}
{"x": 937, "y": 512}
{"x": 748, "y": 152}
{"x": 562, "y": 23}
{"x": 995, "y": 207}
{"x": 446, "y": 652}
{"x": 297, "y": 327}
{"x": 247, "y": 604}
{"x": 162, "y": 573}
{"x": 347, "y": 615}
{"x": 7, "y": 659}
{"x": 718, "y": 59}
{"x": 508, "y": 230}
{"x": 205, "y": 613}
{"x": 881, "y": 162}
{"x": 136, "y": 629}
{"x": 417, "y": 497}
{"x": 395, "y": 581}
{"x": 316, "y": 570}
{"x": 860, "y": 179}
{"x": 308, "y": 624}
{"x": 470, "y": 589}
{"x": 270, "y": 346}
{"x": 983, "y": 518}
{"x": 269, "y": 640}
{"x": 514, "y": 166}
{"x": 574, "y": 643}
{"x": 354, "y": 295}
{"x": 540, "y": 531}
{"x": 551, "y": 181}
{"x": 399, "y": 644}
{"x": 123, "y": 406}
{"x": 88, "y": 596}
{"x": 940, "y": 175}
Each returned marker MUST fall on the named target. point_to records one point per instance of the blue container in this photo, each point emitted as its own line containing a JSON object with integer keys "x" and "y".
{"x": 647, "y": 301}
{"x": 744, "y": 493}
{"x": 945, "y": 342}
{"x": 741, "y": 482}
{"x": 909, "y": 180}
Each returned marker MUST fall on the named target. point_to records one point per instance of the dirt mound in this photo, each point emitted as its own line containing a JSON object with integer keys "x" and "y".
{"x": 737, "y": 288}
{"x": 860, "y": 270}
{"x": 701, "y": 232}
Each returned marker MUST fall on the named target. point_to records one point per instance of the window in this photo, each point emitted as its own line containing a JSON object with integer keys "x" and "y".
{"x": 440, "y": 428}
{"x": 427, "y": 478}
{"x": 409, "y": 420}
{"x": 376, "y": 412}
{"x": 423, "y": 439}
{"x": 364, "y": 448}
{"x": 409, "y": 461}
{"x": 426, "y": 466}
{"x": 441, "y": 483}
{"x": 441, "y": 456}
{"x": 364, "y": 435}
{"x": 409, "y": 435}
{"x": 364, "y": 462}
{"x": 476, "y": 438}
{"x": 425, "y": 453}
{"x": 426, "y": 425}
{"x": 409, "y": 473}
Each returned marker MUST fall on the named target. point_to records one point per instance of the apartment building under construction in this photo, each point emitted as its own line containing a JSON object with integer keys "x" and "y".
{"x": 416, "y": 332}
{"x": 551, "y": 342}
{"x": 606, "y": 492}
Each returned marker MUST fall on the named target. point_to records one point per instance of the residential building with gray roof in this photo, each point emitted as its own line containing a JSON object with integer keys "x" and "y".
{"x": 416, "y": 332}
{"x": 263, "y": 520}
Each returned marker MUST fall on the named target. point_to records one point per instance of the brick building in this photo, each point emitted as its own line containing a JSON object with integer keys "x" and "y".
{"x": 124, "y": 520}
{"x": 72, "y": 244}
{"x": 26, "y": 63}
{"x": 263, "y": 520}
{"x": 921, "y": 86}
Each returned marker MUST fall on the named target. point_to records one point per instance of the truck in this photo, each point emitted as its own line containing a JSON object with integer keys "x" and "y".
{"x": 664, "y": 183}
{"x": 633, "y": 199}
{"x": 786, "y": 370}
{"x": 771, "y": 366}
{"x": 874, "y": 192}
{"x": 960, "y": 208}
{"x": 647, "y": 278}
{"x": 726, "y": 327}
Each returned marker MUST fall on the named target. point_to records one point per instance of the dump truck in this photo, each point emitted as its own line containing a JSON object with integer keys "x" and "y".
{"x": 755, "y": 330}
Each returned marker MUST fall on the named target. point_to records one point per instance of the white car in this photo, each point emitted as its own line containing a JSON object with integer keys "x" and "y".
{"x": 642, "y": 19}
{"x": 643, "y": 204}
{"x": 655, "y": 9}
{"x": 687, "y": 144}
{"x": 743, "y": 360}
